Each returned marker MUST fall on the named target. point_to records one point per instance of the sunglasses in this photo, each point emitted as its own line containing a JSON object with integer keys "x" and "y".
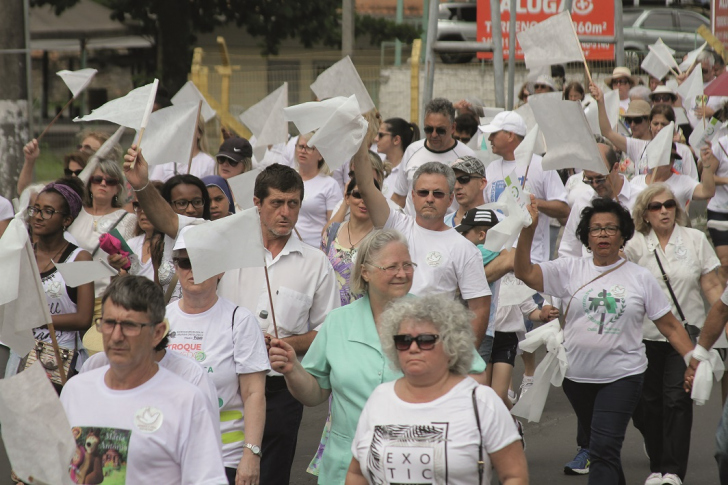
{"x": 425, "y": 341}
{"x": 662, "y": 98}
{"x": 435, "y": 193}
{"x": 542, "y": 86}
{"x": 637, "y": 120}
{"x": 356, "y": 194}
{"x": 97, "y": 179}
{"x": 229, "y": 161}
{"x": 594, "y": 181}
{"x": 621, "y": 81}
{"x": 656, "y": 206}
{"x": 137, "y": 206}
{"x": 465, "y": 179}
{"x": 463, "y": 139}
{"x": 182, "y": 263}
{"x": 440, "y": 130}
{"x": 70, "y": 173}
{"x": 382, "y": 135}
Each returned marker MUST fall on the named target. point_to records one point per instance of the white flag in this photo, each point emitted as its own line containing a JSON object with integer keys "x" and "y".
{"x": 265, "y": 118}
{"x": 552, "y": 41}
{"x": 104, "y": 150}
{"x": 240, "y": 233}
{"x": 665, "y": 53}
{"x": 512, "y": 202}
{"x": 128, "y": 110}
{"x": 35, "y": 429}
{"x": 568, "y": 137}
{"x": 527, "y": 114}
{"x": 77, "y": 81}
{"x": 713, "y": 129}
{"x": 524, "y": 151}
{"x": 170, "y": 134}
{"x": 692, "y": 57}
{"x": 591, "y": 112}
{"x": 342, "y": 79}
{"x": 692, "y": 86}
{"x": 79, "y": 273}
{"x": 659, "y": 148}
{"x": 242, "y": 187}
{"x": 23, "y": 304}
{"x": 190, "y": 94}
{"x": 653, "y": 65}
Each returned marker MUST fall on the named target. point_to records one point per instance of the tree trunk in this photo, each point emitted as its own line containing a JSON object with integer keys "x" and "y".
{"x": 175, "y": 37}
{"x": 14, "y": 128}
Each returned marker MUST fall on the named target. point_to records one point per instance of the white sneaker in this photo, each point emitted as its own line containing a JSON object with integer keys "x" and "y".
{"x": 526, "y": 385}
{"x": 654, "y": 479}
{"x": 670, "y": 479}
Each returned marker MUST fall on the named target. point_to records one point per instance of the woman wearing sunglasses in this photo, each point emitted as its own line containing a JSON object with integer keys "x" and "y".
{"x": 393, "y": 138}
{"x": 665, "y": 413}
{"x": 434, "y": 424}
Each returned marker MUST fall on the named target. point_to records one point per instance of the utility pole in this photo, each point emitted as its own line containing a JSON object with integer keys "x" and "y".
{"x": 14, "y": 114}
{"x": 347, "y": 28}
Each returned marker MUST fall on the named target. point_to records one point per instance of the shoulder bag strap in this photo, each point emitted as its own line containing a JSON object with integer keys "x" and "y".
{"x": 666, "y": 279}
{"x": 170, "y": 288}
{"x": 93, "y": 254}
{"x": 331, "y": 233}
{"x": 590, "y": 282}
{"x": 481, "y": 463}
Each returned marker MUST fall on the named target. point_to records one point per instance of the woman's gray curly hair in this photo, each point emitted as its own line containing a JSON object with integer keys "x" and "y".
{"x": 450, "y": 318}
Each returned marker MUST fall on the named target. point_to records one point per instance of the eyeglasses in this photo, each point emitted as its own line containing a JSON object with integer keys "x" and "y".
{"x": 182, "y": 204}
{"x": 137, "y": 206}
{"x": 128, "y": 329}
{"x": 425, "y": 341}
{"x": 356, "y": 194}
{"x": 542, "y": 86}
{"x": 110, "y": 182}
{"x": 45, "y": 214}
{"x": 382, "y": 135}
{"x": 463, "y": 139}
{"x": 656, "y": 206}
{"x": 69, "y": 173}
{"x": 608, "y": 230}
{"x": 182, "y": 263}
{"x": 637, "y": 120}
{"x": 594, "y": 180}
{"x": 440, "y": 130}
{"x": 229, "y": 161}
{"x": 621, "y": 81}
{"x": 662, "y": 98}
{"x": 438, "y": 194}
{"x": 305, "y": 148}
{"x": 465, "y": 179}
{"x": 393, "y": 270}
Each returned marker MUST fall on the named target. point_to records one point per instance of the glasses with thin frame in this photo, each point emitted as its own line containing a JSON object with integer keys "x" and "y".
{"x": 305, "y": 148}
{"x": 45, "y": 213}
{"x": 608, "y": 230}
{"x": 438, "y": 194}
{"x": 425, "y": 341}
{"x": 106, "y": 326}
{"x": 394, "y": 270}
{"x": 182, "y": 204}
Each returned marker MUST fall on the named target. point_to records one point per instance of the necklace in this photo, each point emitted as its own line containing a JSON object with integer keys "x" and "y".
{"x": 348, "y": 231}
{"x": 45, "y": 268}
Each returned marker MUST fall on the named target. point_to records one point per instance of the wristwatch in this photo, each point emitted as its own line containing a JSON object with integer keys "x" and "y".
{"x": 255, "y": 449}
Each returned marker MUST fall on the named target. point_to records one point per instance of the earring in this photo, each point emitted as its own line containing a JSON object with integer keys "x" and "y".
{"x": 115, "y": 200}
{"x": 588, "y": 249}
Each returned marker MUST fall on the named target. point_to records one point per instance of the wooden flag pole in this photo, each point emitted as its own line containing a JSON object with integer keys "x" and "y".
{"x": 57, "y": 351}
{"x": 145, "y": 118}
{"x": 722, "y": 149}
{"x": 583, "y": 57}
{"x": 40, "y": 137}
{"x": 270, "y": 299}
{"x": 194, "y": 137}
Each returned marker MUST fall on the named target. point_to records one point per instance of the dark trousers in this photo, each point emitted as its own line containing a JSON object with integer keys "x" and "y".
{"x": 721, "y": 446}
{"x": 665, "y": 413}
{"x": 606, "y": 409}
{"x": 283, "y": 414}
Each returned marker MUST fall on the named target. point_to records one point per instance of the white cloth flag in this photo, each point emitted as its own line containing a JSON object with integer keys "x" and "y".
{"x": 102, "y": 152}
{"x": 128, "y": 110}
{"x": 513, "y": 291}
{"x": 77, "y": 81}
{"x": 342, "y": 79}
{"x": 653, "y": 65}
{"x": 242, "y": 187}
{"x": 611, "y": 103}
{"x": 511, "y": 202}
{"x": 691, "y": 57}
{"x": 665, "y": 53}
{"x": 35, "y": 429}
{"x": 710, "y": 365}
{"x": 190, "y": 94}
{"x": 658, "y": 150}
{"x": 713, "y": 129}
{"x": 524, "y": 151}
{"x": 170, "y": 134}
{"x": 551, "y": 370}
{"x": 552, "y": 41}
{"x": 340, "y": 127}
{"x": 527, "y": 114}
{"x": 265, "y": 119}
{"x": 568, "y": 137}
{"x": 691, "y": 87}
{"x": 240, "y": 233}
{"x": 591, "y": 112}
{"x": 78, "y": 273}
{"x": 23, "y": 304}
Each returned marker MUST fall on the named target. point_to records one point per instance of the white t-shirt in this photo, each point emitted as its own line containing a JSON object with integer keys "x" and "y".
{"x": 575, "y": 188}
{"x": 160, "y": 432}
{"x": 6, "y": 209}
{"x": 390, "y": 181}
{"x": 544, "y": 184}
{"x": 434, "y": 442}
{"x": 603, "y": 332}
{"x": 510, "y": 318}
{"x": 686, "y": 258}
{"x": 320, "y": 194}
{"x": 445, "y": 260}
{"x": 681, "y": 185}
{"x": 416, "y": 155}
{"x": 202, "y": 166}
{"x": 719, "y": 202}
{"x": 637, "y": 149}
{"x": 225, "y": 349}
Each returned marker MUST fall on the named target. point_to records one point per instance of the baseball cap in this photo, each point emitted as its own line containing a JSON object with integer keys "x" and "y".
{"x": 235, "y": 149}
{"x": 470, "y": 165}
{"x": 506, "y": 121}
{"x": 477, "y": 218}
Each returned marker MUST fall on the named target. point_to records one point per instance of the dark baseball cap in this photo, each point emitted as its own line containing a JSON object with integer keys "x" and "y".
{"x": 235, "y": 149}
{"x": 477, "y": 218}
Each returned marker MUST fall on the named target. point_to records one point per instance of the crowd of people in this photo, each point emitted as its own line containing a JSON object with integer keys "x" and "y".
{"x": 383, "y": 297}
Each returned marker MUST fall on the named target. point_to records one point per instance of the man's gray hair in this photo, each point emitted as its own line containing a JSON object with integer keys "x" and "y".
{"x": 450, "y": 318}
{"x": 706, "y": 56}
{"x": 436, "y": 168}
{"x": 369, "y": 251}
{"x": 641, "y": 92}
{"x": 136, "y": 293}
{"x": 441, "y": 106}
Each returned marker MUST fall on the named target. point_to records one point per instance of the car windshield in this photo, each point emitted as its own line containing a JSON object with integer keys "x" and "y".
{"x": 629, "y": 17}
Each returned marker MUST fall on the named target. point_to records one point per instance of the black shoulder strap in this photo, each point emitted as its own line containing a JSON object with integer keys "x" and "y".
{"x": 232, "y": 322}
{"x": 481, "y": 463}
{"x": 666, "y": 279}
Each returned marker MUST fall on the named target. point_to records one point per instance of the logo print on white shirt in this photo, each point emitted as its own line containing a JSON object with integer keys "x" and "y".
{"x": 148, "y": 419}
{"x": 434, "y": 258}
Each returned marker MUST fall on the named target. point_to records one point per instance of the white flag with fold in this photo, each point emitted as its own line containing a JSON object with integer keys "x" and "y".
{"x": 77, "y": 81}
{"x": 658, "y": 150}
{"x": 691, "y": 87}
{"x": 512, "y": 202}
{"x": 170, "y": 134}
{"x": 552, "y": 41}
{"x": 128, "y": 110}
{"x": 242, "y": 187}
{"x": 712, "y": 130}
{"x": 189, "y": 93}
{"x": 691, "y": 57}
{"x": 342, "y": 79}
{"x": 653, "y": 65}
{"x": 102, "y": 152}
{"x": 266, "y": 121}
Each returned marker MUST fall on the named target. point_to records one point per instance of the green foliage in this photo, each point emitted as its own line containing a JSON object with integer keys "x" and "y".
{"x": 380, "y": 30}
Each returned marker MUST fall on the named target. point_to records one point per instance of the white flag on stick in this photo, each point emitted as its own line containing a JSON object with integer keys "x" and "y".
{"x": 35, "y": 429}
{"x": 342, "y": 79}
{"x": 242, "y": 187}
{"x": 552, "y": 41}
{"x": 658, "y": 150}
{"x": 665, "y": 54}
{"x": 106, "y": 149}
{"x": 653, "y": 65}
{"x": 527, "y": 114}
{"x": 265, "y": 119}
{"x": 79, "y": 273}
{"x": 128, "y": 110}
{"x": 190, "y": 94}
{"x": 713, "y": 129}
{"x": 568, "y": 136}
{"x": 692, "y": 57}
{"x": 691, "y": 87}
{"x": 240, "y": 232}
{"x": 77, "y": 81}
{"x": 169, "y": 134}
{"x": 511, "y": 202}
{"x": 23, "y": 304}
{"x": 524, "y": 151}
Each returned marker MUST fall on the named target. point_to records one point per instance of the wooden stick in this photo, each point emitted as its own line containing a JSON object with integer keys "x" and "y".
{"x": 40, "y": 137}
{"x": 525, "y": 175}
{"x": 722, "y": 149}
{"x": 57, "y": 351}
{"x": 702, "y": 101}
{"x": 270, "y": 298}
{"x": 194, "y": 137}
{"x": 583, "y": 57}
{"x": 138, "y": 144}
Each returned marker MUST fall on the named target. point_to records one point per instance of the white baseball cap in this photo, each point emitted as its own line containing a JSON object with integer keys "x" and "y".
{"x": 506, "y": 121}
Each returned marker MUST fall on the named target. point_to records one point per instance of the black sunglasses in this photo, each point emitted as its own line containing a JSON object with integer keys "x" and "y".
{"x": 229, "y": 161}
{"x": 69, "y": 173}
{"x": 425, "y": 341}
{"x": 656, "y": 206}
{"x": 356, "y": 194}
{"x": 465, "y": 179}
{"x": 636, "y": 119}
{"x": 97, "y": 179}
{"x": 440, "y": 130}
{"x": 463, "y": 139}
{"x": 182, "y": 263}
{"x": 435, "y": 193}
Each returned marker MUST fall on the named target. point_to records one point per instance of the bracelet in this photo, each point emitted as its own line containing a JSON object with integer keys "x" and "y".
{"x": 135, "y": 190}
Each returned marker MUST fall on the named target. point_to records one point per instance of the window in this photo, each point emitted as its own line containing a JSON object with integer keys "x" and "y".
{"x": 690, "y": 23}
{"x": 658, "y": 21}
{"x": 285, "y": 71}
{"x": 629, "y": 17}
{"x": 469, "y": 13}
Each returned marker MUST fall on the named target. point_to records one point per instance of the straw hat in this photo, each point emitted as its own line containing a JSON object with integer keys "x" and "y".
{"x": 618, "y": 73}
{"x": 637, "y": 108}
{"x": 663, "y": 90}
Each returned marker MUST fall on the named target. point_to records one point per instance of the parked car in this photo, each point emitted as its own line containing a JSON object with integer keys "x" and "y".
{"x": 458, "y": 22}
{"x": 676, "y": 27}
